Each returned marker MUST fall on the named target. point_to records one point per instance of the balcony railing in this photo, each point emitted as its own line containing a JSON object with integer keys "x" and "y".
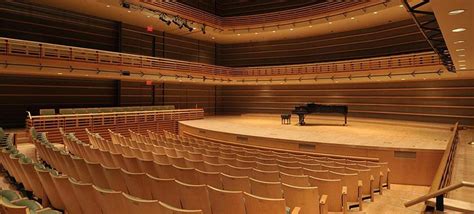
{"x": 14, "y": 47}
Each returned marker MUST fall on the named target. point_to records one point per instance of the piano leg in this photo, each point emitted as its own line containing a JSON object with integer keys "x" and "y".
{"x": 345, "y": 119}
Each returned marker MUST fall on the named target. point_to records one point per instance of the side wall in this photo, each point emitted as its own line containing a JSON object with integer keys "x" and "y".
{"x": 438, "y": 101}
{"x": 19, "y": 94}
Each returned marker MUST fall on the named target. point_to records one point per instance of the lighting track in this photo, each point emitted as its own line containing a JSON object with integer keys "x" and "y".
{"x": 432, "y": 32}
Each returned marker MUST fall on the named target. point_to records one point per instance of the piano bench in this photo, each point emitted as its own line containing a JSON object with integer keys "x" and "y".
{"x": 286, "y": 119}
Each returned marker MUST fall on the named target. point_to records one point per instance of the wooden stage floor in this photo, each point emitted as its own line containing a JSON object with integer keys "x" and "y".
{"x": 358, "y": 132}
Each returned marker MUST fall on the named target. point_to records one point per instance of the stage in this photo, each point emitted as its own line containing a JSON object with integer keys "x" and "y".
{"x": 409, "y": 147}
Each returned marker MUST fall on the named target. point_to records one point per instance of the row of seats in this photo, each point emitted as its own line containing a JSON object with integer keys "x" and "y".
{"x": 240, "y": 180}
{"x": 148, "y": 187}
{"x": 80, "y": 195}
{"x": 16, "y": 164}
{"x": 105, "y": 109}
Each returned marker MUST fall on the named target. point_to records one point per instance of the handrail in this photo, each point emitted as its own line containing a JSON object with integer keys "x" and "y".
{"x": 442, "y": 178}
{"x": 16, "y": 47}
{"x": 439, "y": 192}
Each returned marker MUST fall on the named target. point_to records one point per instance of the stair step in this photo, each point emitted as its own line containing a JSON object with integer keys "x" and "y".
{"x": 452, "y": 204}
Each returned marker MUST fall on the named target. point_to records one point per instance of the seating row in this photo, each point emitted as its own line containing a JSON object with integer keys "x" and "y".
{"x": 259, "y": 179}
{"x": 147, "y": 187}
{"x": 105, "y": 109}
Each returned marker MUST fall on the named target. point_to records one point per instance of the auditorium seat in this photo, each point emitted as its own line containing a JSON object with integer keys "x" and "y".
{"x": 377, "y": 174}
{"x": 49, "y": 187}
{"x": 210, "y": 167}
{"x": 291, "y": 170}
{"x": 137, "y": 184}
{"x": 226, "y": 202}
{"x": 165, "y": 190}
{"x": 336, "y": 193}
{"x": 340, "y": 169}
{"x": 295, "y": 180}
{"x": 47, "y": 112}
{"x": 255, "y": 204}
{"x": 23, "y": 206}
{"x": 97, "y": 174}
{"x": 237, "y": 171}
{"x": 110, "y": 201}
{"x": 312, "y": 166}
{"x": 138, "y": 205}
{"x": 167, "y": 209}
{"x": 115, "y": 179}
{"x": 265, "y": 189}
{"x": 160, "y": 158}
{"x": 82, "y": 170}
{"x": 148, "y": 166}
{"x": 268, "y": 176}
{"x": 354, "y": 187}
{"x": 209, "y": 178}
{"x": 367, "y": 179}
{"x": 235, "y": 183}
{"x": 194, "y": 197}
{"x": 197, "y": 164}
{"x": 85, "y": 196}
{"x": 268, "y": 167}
{"x": 306, "y": 198}
{"x": 186, "y": 175}
{"x": 165, "y": 170}
{"x": 64, "y": 189}
{"x": 28, "y": 168}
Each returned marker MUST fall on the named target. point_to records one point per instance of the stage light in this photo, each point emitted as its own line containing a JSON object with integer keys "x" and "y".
{"x": 164, "y": 18}
{"x": 203, "y": 28}
{"x": 178, "y": 22}
{"x": 126, "y": 5}
{"x": 186, "y": 25}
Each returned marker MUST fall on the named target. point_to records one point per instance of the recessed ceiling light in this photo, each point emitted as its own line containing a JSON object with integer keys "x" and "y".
{"x": 148, "y": 16}
{"x": 291, "y": 28}
{"x": 108, "y": 6}
{"x": 461, "y": 55}
{"x": 273, "y": 31}
{"x": 458, "y": 42}
{"x": 330, "y": 23}
{"x": 462, "y": 65}
{"x": 256, "y": 33}
{"x": 213, "y": 38}
{"x": 238, "y": 34}
{"x": 376, "y": 12}
{"x": 129, "y": 11}
{"x": 456, "y": 12}
{"x": 194, "y": 28}
{"x": 311, "y": 26}
{"x": 460, "y": 49}
{"x": 401, "y": 5}
{"x": 463, "y": 68}
{"x": 87, "y": 75}
{"x": 352, "y": 18}
{"x": 60, "y": 73}
{"x": 462, "y": 60}
{"x": 457, "y": 30}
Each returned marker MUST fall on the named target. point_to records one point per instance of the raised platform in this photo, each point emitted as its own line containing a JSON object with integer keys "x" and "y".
{"x": 413, "y": 150}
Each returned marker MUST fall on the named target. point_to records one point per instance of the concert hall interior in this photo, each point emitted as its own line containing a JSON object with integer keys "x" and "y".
{"x": 236, "y": 106}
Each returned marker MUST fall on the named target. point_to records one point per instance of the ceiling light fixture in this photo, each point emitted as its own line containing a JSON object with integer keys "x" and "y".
{"x": 238, "y": 34}
{"x": 108, "y": 5}
{"x": 291, "y": 28}
{"x": 458, "y": 42}
{"x": 273, "y": 31}
{"x": 376, "y": 12}
{"x": 462, "y": 60}
{"x": 330, "y": 23}
{"x": 462, "y": 65}
{"x": 401, "y": 5}
{"x": 213, "y": 38}
{"x": 457, "y": 30}
{"x": 461, "y": 55}
{"x": 311, "y": 26}
{"x": 456, "y": 12}
{"x": 352, "y": 18}
{"x": 463, "y": 68}
{"x": 460, "y": 49}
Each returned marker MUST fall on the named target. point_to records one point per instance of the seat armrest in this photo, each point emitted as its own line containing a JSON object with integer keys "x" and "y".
{"x": 359, "y": 194}
{"x": 344, "y": 199}
{"x": 323, "y": 208}
{"x": 296, "y": 210}
{"x": 17, "y": 200}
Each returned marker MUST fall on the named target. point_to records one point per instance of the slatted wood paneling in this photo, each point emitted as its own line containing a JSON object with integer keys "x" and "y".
{"x": 190, "y": 96}
{"x": 436, "y": 101}
{"x": 391, "y": 39}
{"x": 19, "y": 94}
{"x": 37, "y": 23}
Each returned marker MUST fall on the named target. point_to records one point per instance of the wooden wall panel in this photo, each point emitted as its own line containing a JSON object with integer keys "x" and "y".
{"x": 19, "y": 94}
{"x": 136, "y": 94}
{"x": 190, "y": 96}
{"x": 37, "y": 23}
{"x": 437, "y": 101}
{"x": 391, "y": 39}
{"x": 181, "y": 48}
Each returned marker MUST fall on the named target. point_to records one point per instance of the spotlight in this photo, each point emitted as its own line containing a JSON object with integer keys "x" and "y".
{"x": 203, "y": 28}
{"x": 165, "y": 19}
{"x": 186, "y": 25}
{"x": 177, "y": 21}
{"x": 126, "y": 5}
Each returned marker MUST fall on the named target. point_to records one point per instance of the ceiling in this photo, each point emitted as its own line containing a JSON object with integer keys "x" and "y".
{"x": 460, "y": 44}
{"x": 359, "y": 19}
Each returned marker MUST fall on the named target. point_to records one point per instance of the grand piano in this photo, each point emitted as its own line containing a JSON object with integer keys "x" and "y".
{"x": 311, "y": 108}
